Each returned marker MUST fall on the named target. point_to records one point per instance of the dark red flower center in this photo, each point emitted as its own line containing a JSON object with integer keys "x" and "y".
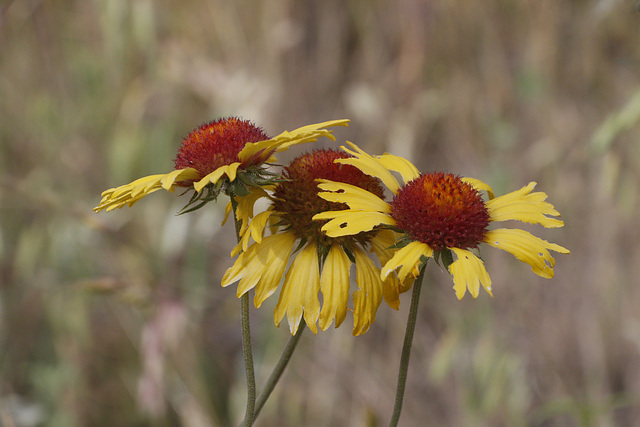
{"x": 217, "y": 144}
{"x": 297, "y": 200}
{"x": 442, "y": 211}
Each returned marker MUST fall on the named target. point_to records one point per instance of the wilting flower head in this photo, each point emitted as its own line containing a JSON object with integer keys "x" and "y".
{"x": 441, "y": 215}
{"x": 224, "y": 155}
{"x": 320, "y": 263}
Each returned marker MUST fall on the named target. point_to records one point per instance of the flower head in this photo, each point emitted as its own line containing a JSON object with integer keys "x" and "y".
{"x": 224, "y": 155}
{"x": 441, "y": 215}
{"x": 320, "y": 263}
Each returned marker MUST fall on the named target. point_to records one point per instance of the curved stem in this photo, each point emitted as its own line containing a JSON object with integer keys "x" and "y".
{"x": 278, "y": 369}
{"x": 406, "y": 348}
{"x": 246, "y": 336}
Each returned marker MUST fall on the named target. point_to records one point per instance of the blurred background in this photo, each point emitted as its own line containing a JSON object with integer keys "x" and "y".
{"x": 119, "y": 319}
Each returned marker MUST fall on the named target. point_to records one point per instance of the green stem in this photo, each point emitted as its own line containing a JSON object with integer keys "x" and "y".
{"x": 246, "y": 337}
{"x": 278, "y": 369}
{"x": 406, "y": 348}
{"x": 248, "y": 361}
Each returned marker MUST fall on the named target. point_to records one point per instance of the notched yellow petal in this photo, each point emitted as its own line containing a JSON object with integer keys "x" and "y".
{"x": 527, "y": 248}
{"x": 349, "y": 222}
{"x": 524, "y": 206}
{"x": 468, "y": 273}
{"x": 355, "y": 197}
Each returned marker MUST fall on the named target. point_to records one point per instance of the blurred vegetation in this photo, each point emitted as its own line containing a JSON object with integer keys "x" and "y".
{"x": 118, "y": 319}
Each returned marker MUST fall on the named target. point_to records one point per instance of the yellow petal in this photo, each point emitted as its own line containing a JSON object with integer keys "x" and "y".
{"x": 186, "y": 174}
{"x": 371, "y": 166}
{"x": 299, "y": 294}
{"x": 404, "y": 167}
{"x": 527, "y": 248}
{"x": 258, "y": 224}
{"x": 128, "y": 194}
{"x": 357, "y": 198}
{"x": 480, "y": 186}
{"x": 334, "y": 284}
{"x": 349, "y": 222}
{"x": 468, "y": 273}
{"x": 227, "y": 210}
{"x": 368, "y": 297}
{"x": 522, "y": 205}
{"x": 212, "y": 178}
{"x": 380, "y": 244}
{"x": 322, "y": 125}
{"x": 255, "y": 231}
{"x": 246, "y": 204}
{"x": 407, "y": 257}
{"x": 309, "y": 133}
{"x": 261, "y": 266}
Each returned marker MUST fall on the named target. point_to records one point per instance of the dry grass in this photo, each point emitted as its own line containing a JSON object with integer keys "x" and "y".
{"x": 118, "y": 319}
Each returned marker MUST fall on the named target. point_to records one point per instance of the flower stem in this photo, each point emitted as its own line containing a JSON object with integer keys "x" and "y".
{"x": 406, "y": 348}
{"x": 246, "y": 336}
{"x": 278, "y": 369}
{"x": 248, "y": 361}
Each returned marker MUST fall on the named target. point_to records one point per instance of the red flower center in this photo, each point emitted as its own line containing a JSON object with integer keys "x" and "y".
{"x": 217, "y": 144}
{"x": 442, "y": 211}
{"x": 297, "y": 200}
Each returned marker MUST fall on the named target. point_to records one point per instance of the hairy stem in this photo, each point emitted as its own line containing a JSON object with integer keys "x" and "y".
{"x": 246, "y": 337}
{"x": 406, "y": 348}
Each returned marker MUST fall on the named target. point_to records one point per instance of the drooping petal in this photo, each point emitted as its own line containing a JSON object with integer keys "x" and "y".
{"x": 407, "y": 257}
{"x": 380, "y": 245}
{"x": 525, "y": 206}
{"x": 244, "y": 213}
{"x": 404, "y": 167}
{"x": 527, "y": 248}
{"x": 299, "y": 294}
{"x": 334, "y": 284}
{"x": 468, "y": 273}
{"x": 371, "y": 166}
{"x": 480, "y": 186}
{"x": 258, "y": 224}
{"x": 227, "y": 210}
{"x": 255, "y": 231}
{"x": 368, "y": 297}
{"x": 261, "y": 266}
{"x": 357, "y": 198}
{"x": 349, "y": 222}
{"x": 246, "y": 204}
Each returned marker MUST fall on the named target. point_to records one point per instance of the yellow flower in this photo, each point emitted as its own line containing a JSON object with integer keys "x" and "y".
{"x": 213, "y": 156}
{"x": 441, "y": 215}
{"x": 320, "y": 264}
